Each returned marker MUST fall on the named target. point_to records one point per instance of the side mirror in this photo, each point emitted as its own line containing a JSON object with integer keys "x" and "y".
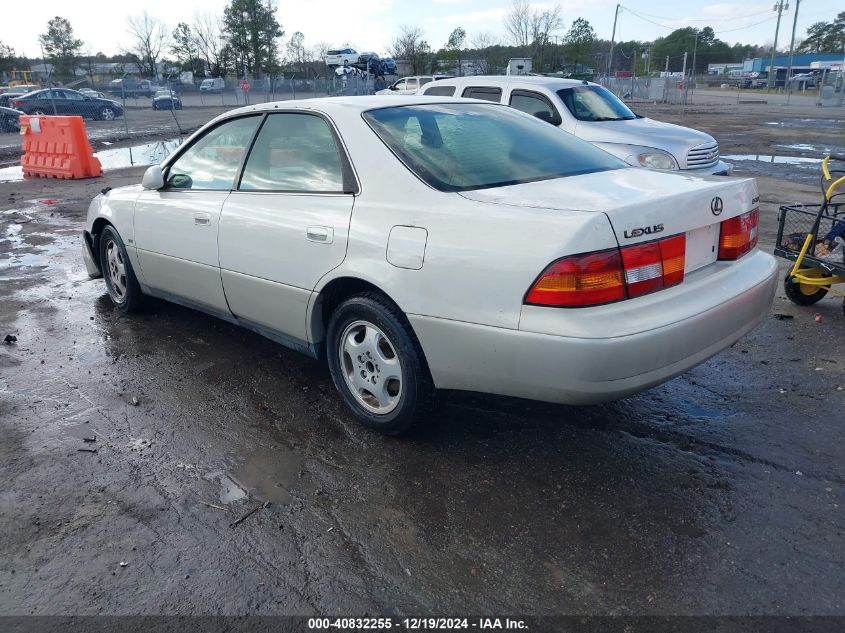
{"x": 153, "y": 178}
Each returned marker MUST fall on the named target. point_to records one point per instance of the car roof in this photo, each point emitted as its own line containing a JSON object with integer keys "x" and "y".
{"x": 552, "y": 83}
{"x": 330, "y": 105}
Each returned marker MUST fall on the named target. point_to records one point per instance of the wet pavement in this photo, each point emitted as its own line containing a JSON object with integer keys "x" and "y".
{"x": 133, "y": 445}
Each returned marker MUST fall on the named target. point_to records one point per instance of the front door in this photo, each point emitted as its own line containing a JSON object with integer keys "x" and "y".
{"x": 176, "y": 227}
{"x": 286, "y": 225}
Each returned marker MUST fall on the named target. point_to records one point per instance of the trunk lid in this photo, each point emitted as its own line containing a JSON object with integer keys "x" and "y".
{"x": 642, "y": 204}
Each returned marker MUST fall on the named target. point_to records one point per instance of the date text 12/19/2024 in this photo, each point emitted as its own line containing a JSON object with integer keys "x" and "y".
{"x": 416, "y": 624}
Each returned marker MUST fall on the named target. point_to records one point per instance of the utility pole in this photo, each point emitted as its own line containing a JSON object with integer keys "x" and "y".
{"x": 612, "y": 40}
{"x": 694, "y": 52}
{"x": 791, "y": 50}
{"x": 780, "y": 7}
{"x": 684, "y": 77}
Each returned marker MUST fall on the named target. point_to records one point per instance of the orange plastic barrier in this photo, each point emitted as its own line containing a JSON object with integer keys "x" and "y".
{"x": 57, "y": 147}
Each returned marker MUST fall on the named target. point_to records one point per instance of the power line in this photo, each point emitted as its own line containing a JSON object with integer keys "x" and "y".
{"x": 663, "y": 17}
{"x": 674, "y": 28}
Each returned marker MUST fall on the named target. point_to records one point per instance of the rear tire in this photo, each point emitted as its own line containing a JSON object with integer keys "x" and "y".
{"x": 804, "y": 294}
{"x": 121, "y": 283}
{"x": 377, "y": 364}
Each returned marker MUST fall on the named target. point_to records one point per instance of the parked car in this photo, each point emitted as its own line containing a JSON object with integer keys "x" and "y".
{"x": 88, "y": 92}
{"x": 66, "y": 101}
{"x": 595, "y": 114}
{"x": 388, "y": 66}
{"x": 410, "y": 85}
{"x": 341, "y": 57}
{"x": 15, "y": 92}
{"x": 213, "y": 85}
{"x": 128, "y": 87}
{"x": 806, "y": 80}
{"x": 166, "y": 100}
{"x": 9, "y": 119}
{"x": 439, "y": 244}
{"x": 372, "y": 58}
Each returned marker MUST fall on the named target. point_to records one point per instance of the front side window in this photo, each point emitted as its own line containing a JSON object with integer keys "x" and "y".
{"x": 213, "y": 161}
{"x": 594, "y": 103}
{"x": 459, "y": 146}
{"x": 411, "y": 85}
{"x": 533, "y": 104}
{"x": 294, "y": 152}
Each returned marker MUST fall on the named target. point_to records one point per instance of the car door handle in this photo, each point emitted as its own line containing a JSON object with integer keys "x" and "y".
{"x": 202, "y": 219}
{"x": 324, "y": 234}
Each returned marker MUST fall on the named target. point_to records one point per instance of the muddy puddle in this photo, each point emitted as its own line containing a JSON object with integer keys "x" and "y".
{"x": 117, "y": 158}
{"x": 798, "y": 161}
{"x": 270, "y": 474}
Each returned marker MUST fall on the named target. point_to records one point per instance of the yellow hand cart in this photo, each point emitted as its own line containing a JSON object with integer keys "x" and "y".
{"x": 813, "y": 236}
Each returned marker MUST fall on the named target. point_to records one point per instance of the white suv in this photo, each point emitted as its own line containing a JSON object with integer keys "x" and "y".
{"x": 595, "y": 114}
{"x": 341, "y": 57}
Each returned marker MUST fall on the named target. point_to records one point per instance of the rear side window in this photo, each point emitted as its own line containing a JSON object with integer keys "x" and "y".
{"x": 425, "y": 80}
{"x": 213, "y": 161}
{"x": 486, "y": 93}
{"x": 441, "y": 91}
{"x": 294, "y": 152}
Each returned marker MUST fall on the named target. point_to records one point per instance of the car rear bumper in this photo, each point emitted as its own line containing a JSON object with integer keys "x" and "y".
{"x": 592, "y": 355}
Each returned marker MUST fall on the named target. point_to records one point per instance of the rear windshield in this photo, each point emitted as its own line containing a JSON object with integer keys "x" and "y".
{"x": 594, "y": 103}
{"x": 459, "y": 147}
{"x": 333, "y": 53}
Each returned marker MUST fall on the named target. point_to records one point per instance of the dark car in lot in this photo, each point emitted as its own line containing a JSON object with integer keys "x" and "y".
{"x": 9, "y": 119}
{"x": 166, "y": 100}
{"x": 65, "y": 101}
{"x": 128, "y": 87}
{"x": 389, "y": 67}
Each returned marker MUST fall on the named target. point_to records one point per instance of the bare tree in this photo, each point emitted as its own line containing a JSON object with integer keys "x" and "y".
{"x": 149, "y": 36}
{"x": 518, "y": 22}
{"x": 410, "y": 46}
{"x": 483, "y": 43}
{"x": 208, "y": 34}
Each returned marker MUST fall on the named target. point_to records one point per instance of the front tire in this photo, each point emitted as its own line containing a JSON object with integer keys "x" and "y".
{"x": 377, "y": 364}
{"x": 107, "y": 114}
{"x": 121, "y": 283}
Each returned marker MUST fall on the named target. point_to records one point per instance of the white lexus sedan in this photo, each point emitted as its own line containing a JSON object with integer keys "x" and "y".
{"x": 439, "y": 244}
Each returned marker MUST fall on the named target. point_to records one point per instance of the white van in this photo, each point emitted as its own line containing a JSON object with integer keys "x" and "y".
{"x": 595, "y": 114}
{"x": 212, "y": 84}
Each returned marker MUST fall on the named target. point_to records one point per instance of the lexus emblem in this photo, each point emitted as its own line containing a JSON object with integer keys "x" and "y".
{"x": 716, "y": 206}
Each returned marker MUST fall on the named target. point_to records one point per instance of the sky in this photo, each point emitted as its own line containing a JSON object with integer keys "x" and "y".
{"x": 371, "y": 25}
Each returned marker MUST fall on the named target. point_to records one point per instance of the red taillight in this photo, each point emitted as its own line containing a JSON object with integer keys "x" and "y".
{"x": 612, "y": 275}
{"x": 738, "y": 235}
{"x": 580, "y": 280}
{"x": 17, "y": 103}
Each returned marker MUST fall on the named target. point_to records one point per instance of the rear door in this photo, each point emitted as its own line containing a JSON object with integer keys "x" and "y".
{"x": 287, "y": 223}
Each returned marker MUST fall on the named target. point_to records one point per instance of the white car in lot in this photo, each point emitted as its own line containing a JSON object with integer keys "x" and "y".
{"x": 341, "y": 57}
{"x": 439, "y": 244}
{"x": 410, "y": 85}
{"x": 595, "y": 114}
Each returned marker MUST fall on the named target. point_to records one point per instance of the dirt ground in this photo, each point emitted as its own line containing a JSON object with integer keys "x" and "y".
{"x": 718, "y": 493}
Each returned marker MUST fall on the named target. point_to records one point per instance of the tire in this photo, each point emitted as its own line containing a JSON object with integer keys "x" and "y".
{"x": 805, "y": 294}
{"x": 121, "y": 283}
{"x": 38, "y": 112}
{"x": 389, "y": 358}
{"x": 107, "y": 114}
